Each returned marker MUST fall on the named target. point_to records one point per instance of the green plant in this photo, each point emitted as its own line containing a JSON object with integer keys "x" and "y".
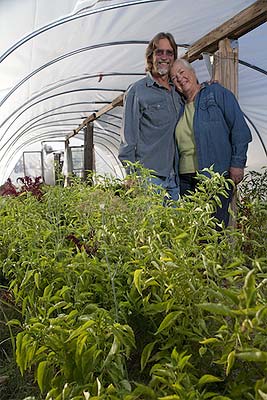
{"x": 120, "y": 297}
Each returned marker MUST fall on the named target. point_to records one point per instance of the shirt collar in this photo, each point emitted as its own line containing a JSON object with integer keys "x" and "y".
{"x": 151, "y": 81}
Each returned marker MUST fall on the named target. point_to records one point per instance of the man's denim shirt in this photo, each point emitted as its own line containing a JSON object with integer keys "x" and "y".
{"x": 150, "y": 116}
{"x": 221, "y": 132}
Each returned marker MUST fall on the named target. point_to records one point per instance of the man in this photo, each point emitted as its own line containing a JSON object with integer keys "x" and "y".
{"x": 211, "y": 132}
{"x": 151, "y": 111}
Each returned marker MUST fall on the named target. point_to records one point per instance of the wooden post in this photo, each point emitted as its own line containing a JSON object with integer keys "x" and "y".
{"x": 225, "y": 71}
{"x": 88, "y": 151}
{"x": 225, "y": 65}
{"x": 69, "y": 166}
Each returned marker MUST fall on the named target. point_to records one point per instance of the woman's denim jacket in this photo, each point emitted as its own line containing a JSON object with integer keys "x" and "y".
{"x": 221, "y": 132}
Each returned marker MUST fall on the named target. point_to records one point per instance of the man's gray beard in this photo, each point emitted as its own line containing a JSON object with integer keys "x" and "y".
{"x": 163, "y": 71}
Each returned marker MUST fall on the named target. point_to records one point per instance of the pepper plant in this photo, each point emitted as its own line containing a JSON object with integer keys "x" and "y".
{"x": 124, "y": 295}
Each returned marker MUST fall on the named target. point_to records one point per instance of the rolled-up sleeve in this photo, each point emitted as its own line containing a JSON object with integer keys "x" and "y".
{"x": 240, "y": 134}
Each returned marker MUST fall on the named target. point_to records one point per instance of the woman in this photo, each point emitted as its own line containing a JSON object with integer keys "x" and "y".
{"x": 211, "y": 132}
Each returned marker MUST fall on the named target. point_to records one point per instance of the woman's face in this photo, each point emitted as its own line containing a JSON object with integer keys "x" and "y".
{"x": 183, "y": 78}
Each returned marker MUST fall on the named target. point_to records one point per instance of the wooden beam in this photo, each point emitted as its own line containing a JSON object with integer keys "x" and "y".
{"x": 118, "y": 101}
{"x": 237, "y": 26}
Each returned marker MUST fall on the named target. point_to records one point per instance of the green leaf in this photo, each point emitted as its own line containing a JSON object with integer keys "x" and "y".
{"x": 23, "y": 342}
{"x": 18, "y": 351}
{"x": 146, "y": 354}
{"x": 215, "y": 308}
{"x": 182, "y": 235}
{"x": 175, "y": 355}
{"x": 13, "y": 322}
{"x": 27, "y": 277}
{"x": 230, "y": 362}
{"x": 208, "y": 379}
{"x": 165, "y": 259}
{"x": 221, "y": 398}
{"x": 30, "y": 398}
{"x": 42, "y": 375}
{"x": 250, "y": 281}
{"x": 202, "y": 350}
{"x": 37, "y": 279}
{"x": 89, "y": 359}
{"x": 137, "y": 280}
{"x": 263, "y": 395}
{"x": 184, "y": 360}
{"x": 55, "y": 307}
{"x": 129, "y": 191}
{"x": 256, "y": 355}
{"x": 249, "y": 288}
{"x": 125, "y": 335}
{"x": 233, "y": 273}
{"x": 170, "y": 397}
{"x": 209, "y": 340}
{"x": 159, "y": 307}
{"x": 150, "y": 282}
{"x": 82, "y": 328}
{"x": 208, "y": 395}
{"x": 145, "y": 391}
{"x": 113, "y": 351}
{"x": 168, "y": 321}
{"x": 80, "y": 345}
{"x": 47, "y": 292}
{"x": 231, "y": 295}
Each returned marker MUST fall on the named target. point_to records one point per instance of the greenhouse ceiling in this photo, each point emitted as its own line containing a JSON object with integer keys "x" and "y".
{"x": 64, "y": 60}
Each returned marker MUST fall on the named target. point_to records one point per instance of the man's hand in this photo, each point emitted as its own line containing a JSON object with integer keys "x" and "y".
{"x": 211, "y": 81}
{"x": 236, "y": 174}
{"x": 129, "y": 182}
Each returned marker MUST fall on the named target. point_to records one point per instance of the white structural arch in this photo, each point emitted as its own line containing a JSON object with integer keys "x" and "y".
{"x": 63, "y": 60}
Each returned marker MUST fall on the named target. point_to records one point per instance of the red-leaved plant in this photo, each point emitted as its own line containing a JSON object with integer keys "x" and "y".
{"x": 8, "y": 189}
{"x": 32, "y": 185}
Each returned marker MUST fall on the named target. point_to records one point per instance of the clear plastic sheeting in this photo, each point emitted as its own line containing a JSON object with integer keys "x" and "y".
{"x": 30, "y": 164}
{"x": 64, "y": 60}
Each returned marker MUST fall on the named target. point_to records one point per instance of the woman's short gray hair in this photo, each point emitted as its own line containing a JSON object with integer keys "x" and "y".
{"x": 185, "y": 63}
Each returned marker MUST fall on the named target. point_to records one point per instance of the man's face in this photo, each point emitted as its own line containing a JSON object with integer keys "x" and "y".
{"x": 163, "y": 58}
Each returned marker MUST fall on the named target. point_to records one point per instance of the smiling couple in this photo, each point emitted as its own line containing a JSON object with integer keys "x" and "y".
{"x": 175, "y": 126}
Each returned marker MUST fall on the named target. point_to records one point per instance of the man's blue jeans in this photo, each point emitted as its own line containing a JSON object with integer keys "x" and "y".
{"x": 169, "y": 184}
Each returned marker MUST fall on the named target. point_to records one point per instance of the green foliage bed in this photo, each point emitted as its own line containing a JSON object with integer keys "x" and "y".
{"x": 106, "y": 294}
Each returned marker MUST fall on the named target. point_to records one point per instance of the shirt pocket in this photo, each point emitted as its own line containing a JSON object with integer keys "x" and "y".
{"x": 156, "y": 113}
{"x": 209, "y": 110}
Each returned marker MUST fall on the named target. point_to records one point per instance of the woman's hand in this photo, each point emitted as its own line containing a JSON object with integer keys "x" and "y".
{"x": 236, "y": 174}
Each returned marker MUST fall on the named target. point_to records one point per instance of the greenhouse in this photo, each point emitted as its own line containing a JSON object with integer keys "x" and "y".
{"x": 106, "y": 290}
